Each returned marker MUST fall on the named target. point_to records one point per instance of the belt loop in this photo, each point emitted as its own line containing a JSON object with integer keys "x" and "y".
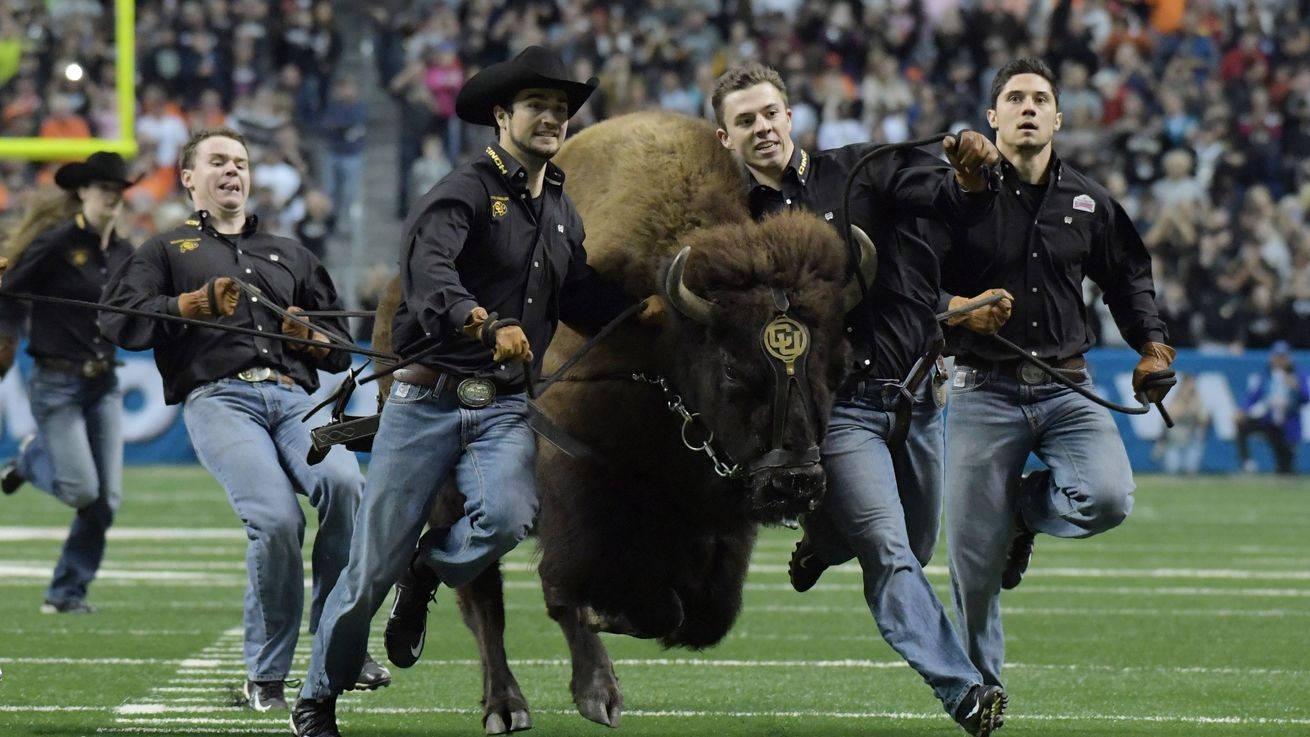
{"x": 441, "y": 383}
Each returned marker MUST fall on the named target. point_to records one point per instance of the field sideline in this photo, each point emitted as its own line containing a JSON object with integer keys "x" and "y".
{"x": 1191, "y": 619}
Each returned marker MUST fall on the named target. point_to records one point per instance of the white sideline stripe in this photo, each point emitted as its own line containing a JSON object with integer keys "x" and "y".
{"x": 795, "y": 714}
{"x": 857, "y": 664}
{"x": 25, "y": 534}
{"x": 192, "y": 730}
{"x": 166, "y": 571}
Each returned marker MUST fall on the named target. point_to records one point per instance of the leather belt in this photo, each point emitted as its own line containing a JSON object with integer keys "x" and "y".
{"x": 473, "y": 392}
{"x": 85, "y": 369}
{"x": 256, "y": 374}
{"x": 1074, "y": 369}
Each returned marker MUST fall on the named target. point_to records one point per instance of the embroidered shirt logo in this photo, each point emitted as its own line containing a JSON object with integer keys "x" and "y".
{"x": 80, "y": 257}
{"x": 186, "y": 245}
{"x": 1085, "y": 203}
{"x": 499, "y": 208}
{"x": 560, "y": 228}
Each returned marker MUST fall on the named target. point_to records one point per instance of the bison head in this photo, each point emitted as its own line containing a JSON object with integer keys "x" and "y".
{"x": 755, "y": 348}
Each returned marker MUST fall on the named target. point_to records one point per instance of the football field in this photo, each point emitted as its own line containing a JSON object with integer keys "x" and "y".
{"x": 1191, "y": 619}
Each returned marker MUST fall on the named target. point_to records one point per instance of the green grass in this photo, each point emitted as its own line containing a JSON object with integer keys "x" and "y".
{"x": 1190, "y": 619}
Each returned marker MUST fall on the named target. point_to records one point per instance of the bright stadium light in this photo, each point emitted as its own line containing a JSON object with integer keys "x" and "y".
{"x": 73, "y": 72}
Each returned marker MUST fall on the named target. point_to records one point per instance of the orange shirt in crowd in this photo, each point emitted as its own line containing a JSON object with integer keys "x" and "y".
{"x": 1167, "y": 15}
{"x": 74, "y": 126}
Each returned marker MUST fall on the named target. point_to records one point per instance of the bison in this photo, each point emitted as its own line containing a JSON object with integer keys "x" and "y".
{"x": 649, "y": 535}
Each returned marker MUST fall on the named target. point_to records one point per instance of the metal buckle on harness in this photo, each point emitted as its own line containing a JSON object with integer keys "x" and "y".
{"x": 475, "y": 392}
{"x": 256, "y": 374}
{"x": 92, "y": 369}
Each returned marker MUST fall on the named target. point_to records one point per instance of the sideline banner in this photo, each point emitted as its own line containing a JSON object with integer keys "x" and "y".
{"x": 154, "y": 433}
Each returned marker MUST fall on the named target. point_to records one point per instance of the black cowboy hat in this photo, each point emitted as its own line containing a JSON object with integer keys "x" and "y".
{"x": 101, "y": 166}
{"x": 497, "y": 84}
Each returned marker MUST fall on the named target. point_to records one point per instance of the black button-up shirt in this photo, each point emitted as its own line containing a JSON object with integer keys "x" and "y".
{"x": 478, "y": 239}
{"x": 66, "y": 261}
{"x": 896, "y": 323}
{"x": 183, "y": 260}
{"x": 1040, "y": 252}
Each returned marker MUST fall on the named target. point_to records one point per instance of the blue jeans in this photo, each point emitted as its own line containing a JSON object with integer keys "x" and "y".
{"x": 250, "y": 437}
{"x": 863, "y": 516}
{"x": 342, "y": 175}
{"x": 993, "y": 424}
{"x": 423, "y": 439}
{"x": 77, "y": 457}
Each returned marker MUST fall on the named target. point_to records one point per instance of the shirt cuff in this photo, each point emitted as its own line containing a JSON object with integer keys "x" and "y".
{"x": 172, "y": 308}
{"x": 458, "y": 315}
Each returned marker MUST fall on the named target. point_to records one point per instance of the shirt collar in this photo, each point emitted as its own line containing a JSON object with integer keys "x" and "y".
{"x": 513, "y": 171}
{"x": 1056, "y": 167}
{"x": 798, "y": 169}
{"x": 200, "y": 219}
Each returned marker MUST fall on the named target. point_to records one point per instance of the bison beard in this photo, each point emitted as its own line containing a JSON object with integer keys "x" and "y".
{"x": 653, "y": 543}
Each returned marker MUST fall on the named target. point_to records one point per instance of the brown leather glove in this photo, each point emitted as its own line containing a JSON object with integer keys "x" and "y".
{"x": 8, "y": 350}
{"x": 652, "y": 312}
{"x": 198, "y": 306}
{"x": 511, "y": 343}
{"x": 985, "y": 320}
{"x": 1154, "y": 364}
{"x": 969, "y": 154}
{"x": 295, "y": 329}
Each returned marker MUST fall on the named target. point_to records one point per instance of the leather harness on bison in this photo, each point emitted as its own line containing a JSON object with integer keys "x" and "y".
{"x": 652, "y": 542}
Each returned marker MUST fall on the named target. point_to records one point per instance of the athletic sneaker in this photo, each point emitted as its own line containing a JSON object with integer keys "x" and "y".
{"x": 373, "y": 675}
{"x": 980, "y": 712}
{"x": 315, "y": 718}
{"x": 69, "y": 606}
{"x": 265, "y": 695}
{"x": 804, "y": 568}
{"x": 1021, "y": 548}
{"x": 407, "y": 626}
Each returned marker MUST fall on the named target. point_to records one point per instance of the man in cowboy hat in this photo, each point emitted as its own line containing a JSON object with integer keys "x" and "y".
{"x": 65, "y": 246}
{"x": 492, "y": 259}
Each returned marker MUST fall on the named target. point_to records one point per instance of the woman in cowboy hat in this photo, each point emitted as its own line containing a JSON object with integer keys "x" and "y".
{"x": 65, "y": 246}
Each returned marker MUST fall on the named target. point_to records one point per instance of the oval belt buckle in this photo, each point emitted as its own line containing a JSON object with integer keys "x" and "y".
{"x": 256, "y": 374}
{"x": 90, "y": 369}
{"x": 476, "y": 393}
{"x": 1031, "y": 374}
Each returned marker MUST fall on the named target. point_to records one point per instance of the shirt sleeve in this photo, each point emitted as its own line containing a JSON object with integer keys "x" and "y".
{"x": 917, "y": 183}
{"x": 587, "y": 300}
{"x": 318, "y": 293}
{"x": 1121, "y": 266}
{"x": 436, "y": 239}
{"x": 26, "y": 274}
{"x": 144, "y": 282}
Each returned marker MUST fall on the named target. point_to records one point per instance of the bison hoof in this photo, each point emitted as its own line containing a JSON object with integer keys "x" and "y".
{"x": 519, "y": 721}
{"x": 602, "y": 711}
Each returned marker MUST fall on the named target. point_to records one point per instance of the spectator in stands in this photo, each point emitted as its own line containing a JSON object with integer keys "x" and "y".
{"x": 343, "y": 125}
{"x": 1272, "y": 407}
{"x": 1180, "y": 448}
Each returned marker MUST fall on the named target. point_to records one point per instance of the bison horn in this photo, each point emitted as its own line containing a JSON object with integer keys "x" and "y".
{"x": 684, "y": 300}
{"x": 852, "y": 295}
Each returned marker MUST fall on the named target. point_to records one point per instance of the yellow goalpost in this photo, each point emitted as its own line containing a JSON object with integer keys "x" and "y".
{"x": 47, "y": 149}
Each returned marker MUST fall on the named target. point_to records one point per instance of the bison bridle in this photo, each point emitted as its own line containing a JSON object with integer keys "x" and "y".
{"x": 785, "y": 343}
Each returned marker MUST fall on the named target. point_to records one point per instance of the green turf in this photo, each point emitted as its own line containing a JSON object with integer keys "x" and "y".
{"x": 1190, "y": 619}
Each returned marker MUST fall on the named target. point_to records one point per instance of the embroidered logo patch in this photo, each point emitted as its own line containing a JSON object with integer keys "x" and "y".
{"x": 499, "y": 209}
{"x": 185, "y": 245}
{"x": 1085, "y": 203}
{"x": 80, "y": 257}
{"x": 560, "y": 228}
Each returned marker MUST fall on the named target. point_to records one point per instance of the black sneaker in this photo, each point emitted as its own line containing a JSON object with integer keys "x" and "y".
{"x": 70, "y": 606}
{"x": 1021, "y": 548}
{"x": 407, "y": 626}
{"x": 373, "y": 675}
{"x": 265, "y": 695}
{"x": 315, "y": 718}
{"x": 10, "y": 479}
{"x": 980, "y": 712}
{"x": 804, "y": 568}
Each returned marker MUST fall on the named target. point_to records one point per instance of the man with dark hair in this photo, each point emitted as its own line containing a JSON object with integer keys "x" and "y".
{"x": 492, "y": 259}
{"x": 243, "y": 397}
{"x": 884, "y": 493}
{"x": 1051, "y": 227}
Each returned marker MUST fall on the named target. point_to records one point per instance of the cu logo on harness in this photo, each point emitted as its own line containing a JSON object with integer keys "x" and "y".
{"x": 786, "y": 340}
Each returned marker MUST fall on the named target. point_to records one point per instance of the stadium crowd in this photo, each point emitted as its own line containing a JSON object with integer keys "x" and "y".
{"x": 1195, "y": 113}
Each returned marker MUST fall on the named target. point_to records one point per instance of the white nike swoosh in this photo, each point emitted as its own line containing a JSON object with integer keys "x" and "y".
{"x": 416, "y": 650}
{"x": 974, "y": 710}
